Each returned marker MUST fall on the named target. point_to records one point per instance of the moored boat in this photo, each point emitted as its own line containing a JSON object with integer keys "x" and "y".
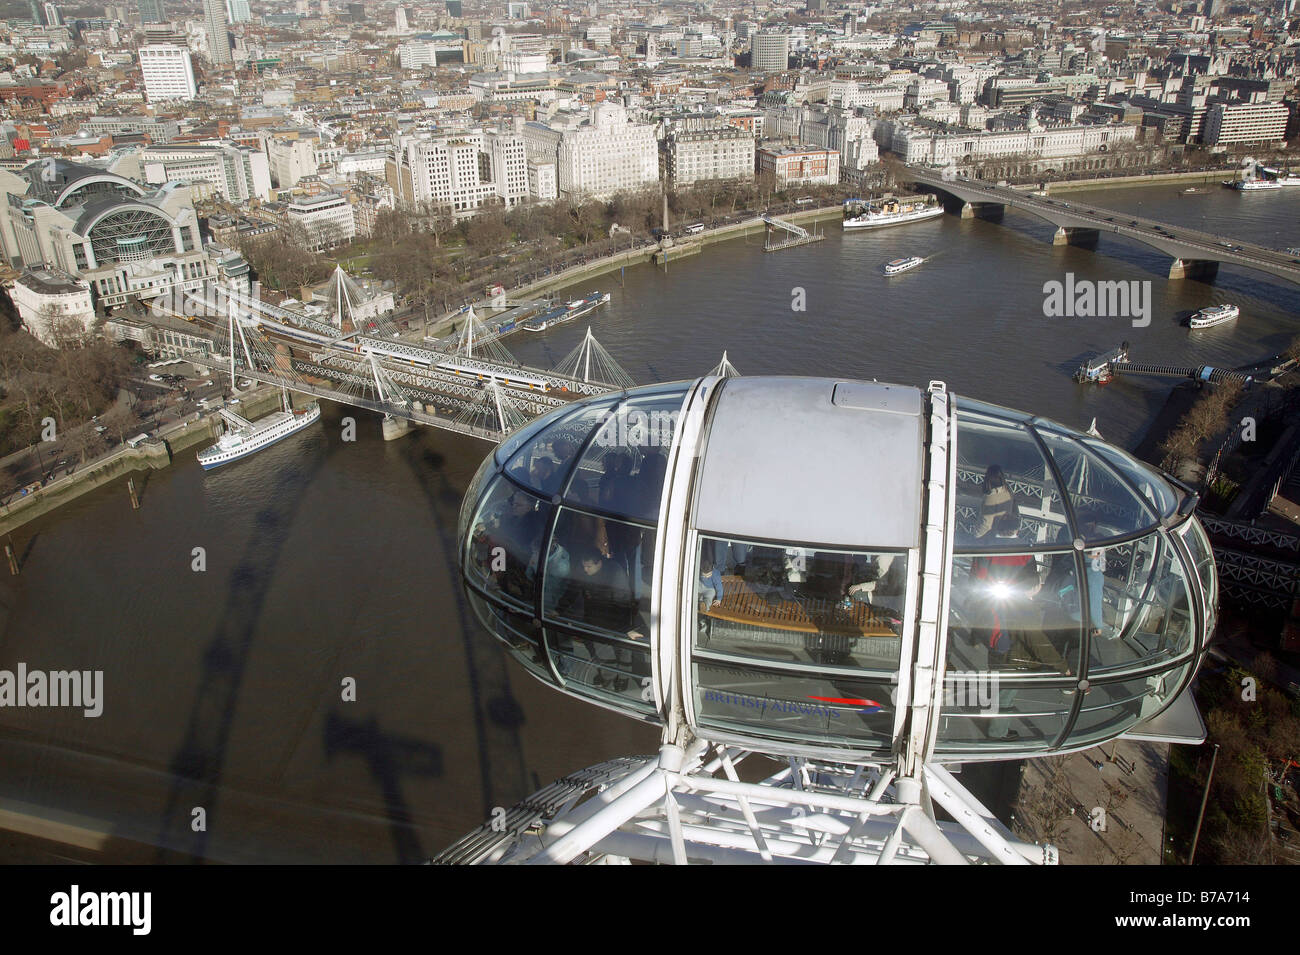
{"x": 874, "y": 213}
{"x": 565, "y": 312}
{"x": 1256, "y": 185}
{"x": 244, "y": 437}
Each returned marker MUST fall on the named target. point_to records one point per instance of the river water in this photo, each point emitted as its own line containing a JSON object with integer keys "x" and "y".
{"x": 326, "y": 564}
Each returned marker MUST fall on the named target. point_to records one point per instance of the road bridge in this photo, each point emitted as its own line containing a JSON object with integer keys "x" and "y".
{"x": 1195, "y": 254}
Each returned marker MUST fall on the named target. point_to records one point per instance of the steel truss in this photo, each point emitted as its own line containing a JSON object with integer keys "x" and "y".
{"x": 1258, "y": 572}
{"x": 691, "y": 806}
{"x": 1249, "y": 533}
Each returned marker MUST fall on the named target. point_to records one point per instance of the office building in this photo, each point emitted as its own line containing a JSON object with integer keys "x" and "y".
{"x": 214, "y": 24}
{"x": 168, "y": 72}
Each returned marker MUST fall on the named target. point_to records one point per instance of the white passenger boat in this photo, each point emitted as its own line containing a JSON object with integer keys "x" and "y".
{"x": 874, "y": 213}
{"x": 244, "y": 437}
{"x": 1214, "y": 315}
{"x": 1256, "y": 185}
{"x": 902, "y": 265}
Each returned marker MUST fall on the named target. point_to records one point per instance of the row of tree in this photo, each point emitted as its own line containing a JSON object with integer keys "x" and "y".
{"x": 1254, "y": 726}
{"x": 1206, "y": 418}
{"x": 424, "y": 249}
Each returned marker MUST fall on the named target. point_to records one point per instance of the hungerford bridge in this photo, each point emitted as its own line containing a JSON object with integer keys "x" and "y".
{"x": 1195, "y": 254}
{"x": 468, "y": 383}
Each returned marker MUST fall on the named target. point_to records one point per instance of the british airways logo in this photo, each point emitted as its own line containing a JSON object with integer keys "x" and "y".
{"x": 863, "y": 706}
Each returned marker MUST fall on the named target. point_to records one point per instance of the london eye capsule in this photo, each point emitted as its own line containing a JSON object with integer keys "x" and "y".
{"x": 847, "y": 571}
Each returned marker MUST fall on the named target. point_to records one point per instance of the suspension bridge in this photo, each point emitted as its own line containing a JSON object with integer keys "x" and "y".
{"x": 469, "y": 383}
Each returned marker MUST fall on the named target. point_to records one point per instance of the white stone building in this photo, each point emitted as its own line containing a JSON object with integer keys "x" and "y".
{"x": 51, "y": 302}
{"x": 168, "y": 72}
{"x": 542, "y": 182}
{"x": 444, "y": 170}
{"x": 236, "y": 173}
{"x": 720, "y": 152}
{"x": 290, "y": 160}
{"x": 602, "y": 156}
{"x": 915, "y": 144}
{"x": 326, "y": 220}
{"x": 771, "y": 51}
{"x": 1244, "y": 123}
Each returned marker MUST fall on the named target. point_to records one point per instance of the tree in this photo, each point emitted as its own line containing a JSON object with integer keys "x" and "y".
{"x": 487, "y": 232}
{"x": 120, "y": 420}
{"x": 86, "y": 443}
{"x": 588, "y": 218}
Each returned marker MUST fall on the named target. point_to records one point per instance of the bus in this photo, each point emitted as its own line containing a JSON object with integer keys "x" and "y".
{"x": 804, "y": 201}
{"x": 695, "y": 229}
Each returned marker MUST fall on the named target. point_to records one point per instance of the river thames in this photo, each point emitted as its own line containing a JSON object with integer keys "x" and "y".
{"x": 327, "y": 561}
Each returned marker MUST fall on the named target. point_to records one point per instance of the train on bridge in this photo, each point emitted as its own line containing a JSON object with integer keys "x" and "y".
{"x": 411, "y": 355}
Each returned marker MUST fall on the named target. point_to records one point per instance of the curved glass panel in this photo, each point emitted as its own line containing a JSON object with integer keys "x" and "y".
{"x": 826, "y": 709}
{"x": 1146, "y": 606}
{"x": 516, "y": 439}
{"x": 604, "y": 667}
{"x": 1110, "y": 708}
{"x": 1015, "y": 613}
{"x": 505, "y": 541}
{"x": 1155, "y": 488}
{"x": 1104, "y": 506}
{"x": 1198, "y": 544}
{"x": 543, "y": 459}
{"x": 598, "y": 574}
{"x": 518, "y": 631}
{"x": 991, "y": 410}
{"x": 1001, "y": 713}
{"x": 798, "y": 605}
{"x": 1001, "y": 473}
{"x": 468, "y": 502}
{"x": 622, "y": 471}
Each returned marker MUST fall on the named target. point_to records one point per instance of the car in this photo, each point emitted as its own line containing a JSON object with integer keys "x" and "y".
{"x": 100, "y": 429}
{"x": 155, "y": 377}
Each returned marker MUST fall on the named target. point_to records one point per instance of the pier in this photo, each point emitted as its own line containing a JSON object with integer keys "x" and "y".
{"x": 1102, "y": 368}
{"x": 798, "y": 235}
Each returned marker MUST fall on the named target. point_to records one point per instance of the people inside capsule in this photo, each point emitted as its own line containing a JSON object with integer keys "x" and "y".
{"x": 1012, "y": 623}
{"x": 997, "y": 500}
{"x": 507, "y": 541}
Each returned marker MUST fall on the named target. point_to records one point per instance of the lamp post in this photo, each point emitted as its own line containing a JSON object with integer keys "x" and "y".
{"x": 1191, "y": 858}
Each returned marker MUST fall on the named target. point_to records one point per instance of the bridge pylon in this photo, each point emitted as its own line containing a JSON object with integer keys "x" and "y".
{"x": 982, "y": 210}
{"x": 1069, "y": 235}
{"x": 1204, "y": 270}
